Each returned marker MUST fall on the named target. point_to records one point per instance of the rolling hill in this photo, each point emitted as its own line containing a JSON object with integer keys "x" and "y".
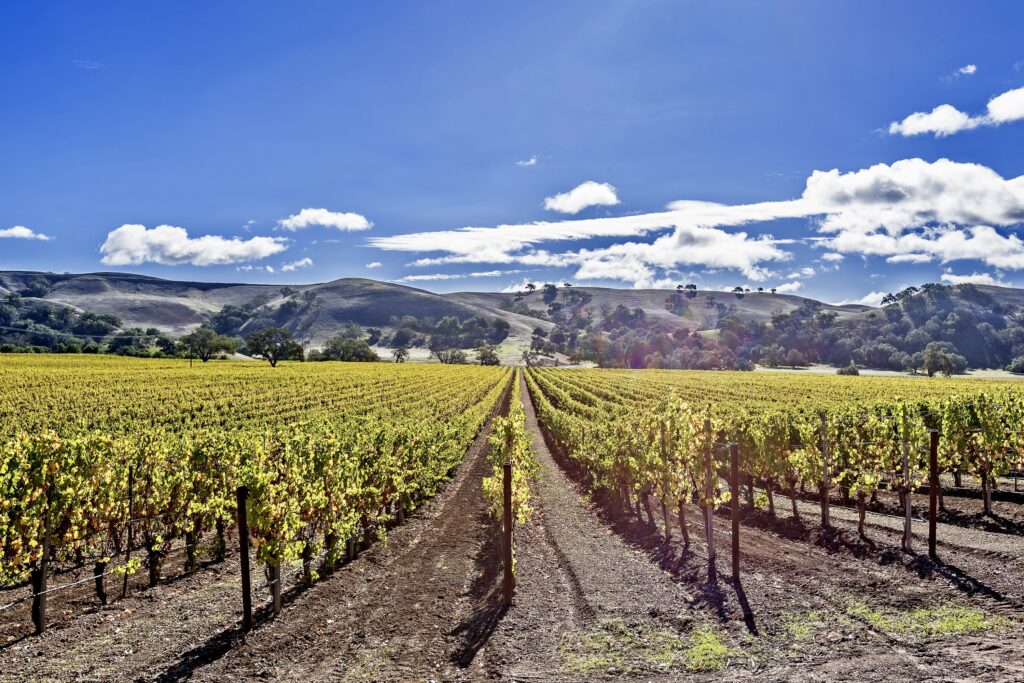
{"x": 315, "y": 312}
{"x": 176, "y": 307}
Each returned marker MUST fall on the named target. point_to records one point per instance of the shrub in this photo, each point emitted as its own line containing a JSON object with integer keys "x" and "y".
{"x": 850, "y": 369}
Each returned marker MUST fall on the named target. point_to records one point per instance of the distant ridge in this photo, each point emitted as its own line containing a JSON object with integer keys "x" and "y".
{"x": 177, "y": 306}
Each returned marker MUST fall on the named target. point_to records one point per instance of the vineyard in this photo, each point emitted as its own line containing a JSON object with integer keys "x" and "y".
{"x": 375, "y": 514}
{"x": 662, "y": 433}
{"x": 93, "y": 462}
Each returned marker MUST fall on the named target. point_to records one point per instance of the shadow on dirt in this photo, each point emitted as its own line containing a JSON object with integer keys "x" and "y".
{"x": 216, "y": 646}
{"x": 485, "y": 594}
{"x": 684, "y": 566}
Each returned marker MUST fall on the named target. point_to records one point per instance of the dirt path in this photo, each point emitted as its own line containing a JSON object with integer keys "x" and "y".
{"x": 414, "y": 609}
{"x": 587, "y": 605}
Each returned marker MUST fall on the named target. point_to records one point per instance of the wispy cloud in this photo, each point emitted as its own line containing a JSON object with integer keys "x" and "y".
{"x": 374, "y": 264}
{"x": 329, "y": 219}
{"x": 295, "y": 265}
{"x": 869, "y": 299}
{"x": 532, "y": 161}
{"x": 86, "y": 64}
{"x": 945, "y": 119}
{"x": 431, "y": 277}
{"x": 20, "y": 232}
{"x": 516, "y": 286}
{"x": 132, "y": 245}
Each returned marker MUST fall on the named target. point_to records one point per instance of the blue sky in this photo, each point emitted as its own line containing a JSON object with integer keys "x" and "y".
{"x": 234, "y": 123}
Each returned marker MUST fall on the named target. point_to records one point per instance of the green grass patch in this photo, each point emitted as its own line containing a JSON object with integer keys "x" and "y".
{"x": 706, "y": 651}
{"x": 946, "y": 619}
{"x": 616, "y": 647}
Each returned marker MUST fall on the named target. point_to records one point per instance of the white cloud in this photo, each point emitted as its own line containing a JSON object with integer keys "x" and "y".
{"x": 974, "y": 279}
{"x": 967, "y": 70}
{"x": 516, "y": 287}
{"x": 585, "y": 194}
{"x": 806, "y": 271}
{"x": 912, "y": 193}
{"x": 295, "y": 265}
{"x": 1007, "y": 107}
{"x": 789, "y": 287}
{"x": 946, "y": 244}
{"x": 20, "y": 232}
{"x": 869, "y": 299}
{"x": 86, "y": 64}
{"x": 911, "y": 258}
{"x": 833, "y": 257}
{"x": 430, "y": 277}
{"x": 946, "y": 119}
{"x": 691, "y": 243}
{"x": 908, "y": 209}
{"x": 328, "y": 219}
{"x": 374, "y": 264}
{"x": 532, "y": 161}
{"x": 135, "y": 244}
{"x": 250, "y": 268}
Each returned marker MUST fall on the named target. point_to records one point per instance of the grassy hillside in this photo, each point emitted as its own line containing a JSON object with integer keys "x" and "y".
{"x": 697, "y": 314}
{"x": 570, "y": 320}
{"x": 176, "y": 307}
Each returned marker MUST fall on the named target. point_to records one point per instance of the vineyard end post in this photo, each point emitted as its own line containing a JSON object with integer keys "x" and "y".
{"x": 241, "y": 495}
{"x": 933, "y": 492}
{"x": 506, "y": 533}
{"x": 734, "y": 485}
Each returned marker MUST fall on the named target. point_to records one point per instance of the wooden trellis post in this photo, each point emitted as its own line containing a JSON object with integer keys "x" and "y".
{"x": 241, "y": 495}
{"x": 734, "y": 486}
{"x": 709, "y": 504}
{"x": 933, "y": 492}
{"x": 506, "y": 535}
{"x": 907, "y": 528}
{"x": 824, "y": 472}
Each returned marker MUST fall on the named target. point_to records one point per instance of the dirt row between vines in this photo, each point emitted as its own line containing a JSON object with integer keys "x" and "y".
{"x": 812, "y": 605}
